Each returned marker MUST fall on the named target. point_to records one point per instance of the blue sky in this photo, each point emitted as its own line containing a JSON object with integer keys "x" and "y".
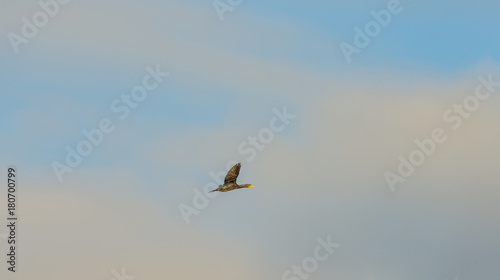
{"x": 323, "y": 174}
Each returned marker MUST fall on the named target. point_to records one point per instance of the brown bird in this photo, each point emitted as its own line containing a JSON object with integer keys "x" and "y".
{"x": 230, "y": 180}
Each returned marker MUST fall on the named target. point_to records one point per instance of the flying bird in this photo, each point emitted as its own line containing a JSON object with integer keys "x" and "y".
{"x": 230, "y": 180}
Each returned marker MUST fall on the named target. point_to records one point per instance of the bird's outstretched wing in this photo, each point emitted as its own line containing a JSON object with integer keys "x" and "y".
{"x": 232, "y": 174}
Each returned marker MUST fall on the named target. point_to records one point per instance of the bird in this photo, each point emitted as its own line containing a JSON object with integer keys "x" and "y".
{"x": 230, "y": 180}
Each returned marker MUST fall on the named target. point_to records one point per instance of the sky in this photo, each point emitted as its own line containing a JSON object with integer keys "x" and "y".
{"x": 372, "y": 125}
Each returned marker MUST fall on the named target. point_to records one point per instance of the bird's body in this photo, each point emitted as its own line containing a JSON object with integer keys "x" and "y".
{"x": 231, "y": 186}
{"x": 230, "y": 180}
